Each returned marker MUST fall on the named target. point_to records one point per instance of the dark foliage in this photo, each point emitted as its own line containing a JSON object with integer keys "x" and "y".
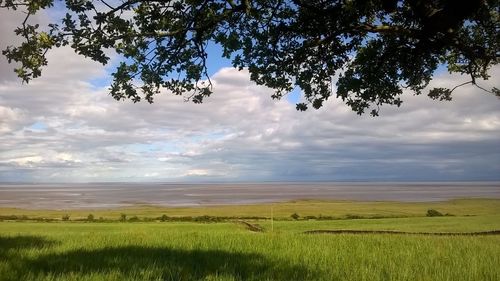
{"x": 377, "y": 48}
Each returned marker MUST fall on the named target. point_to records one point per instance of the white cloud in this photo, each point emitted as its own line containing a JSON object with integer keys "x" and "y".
{"x": 66, "y": 157}
{"x": 9, "y": 118}
{"x": 149, "y": 175}
{"x": 197, "y": 172}
{"x": 28, "y": 161}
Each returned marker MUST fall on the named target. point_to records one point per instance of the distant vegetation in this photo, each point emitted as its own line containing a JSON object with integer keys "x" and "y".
{"x": 204, "y": 218}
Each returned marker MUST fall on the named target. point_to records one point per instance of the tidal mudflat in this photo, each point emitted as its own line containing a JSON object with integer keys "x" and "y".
{"x": 117, "y": 195}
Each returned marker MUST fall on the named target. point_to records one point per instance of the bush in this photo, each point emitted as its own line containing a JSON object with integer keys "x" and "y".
{"x": 10, "y": 217}
{"x": 65, "y": 217}
{"x": 295, "y": 216}
{"x": 310, "y": 217}
{"x": 90, "y": 217}
{"x": 325, "y": 218}
{"x": 164, "y": 218}
{"x": 134, "y": 219}
{"x": 353, "y": 217}
{"x": 123, "y": 217}
{"x": 434, "y": 213}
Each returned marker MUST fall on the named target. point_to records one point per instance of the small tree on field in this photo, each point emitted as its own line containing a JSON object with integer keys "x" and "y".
{"x": 90, "y": 217}
{"x": 123, "y": 217}
{"x": 295, "y": 216}
{"x": 65, "y": 217}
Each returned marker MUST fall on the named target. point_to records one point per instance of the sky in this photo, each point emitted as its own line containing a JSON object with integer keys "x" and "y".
{"x": 64, "y": 127}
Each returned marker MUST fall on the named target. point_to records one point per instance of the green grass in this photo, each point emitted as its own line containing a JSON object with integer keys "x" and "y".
{"x": 418, "y": 224}
{"x": 228, "y": 251}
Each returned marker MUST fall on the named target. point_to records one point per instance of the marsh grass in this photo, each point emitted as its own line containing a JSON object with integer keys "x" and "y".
{"x": 306, "y": 209}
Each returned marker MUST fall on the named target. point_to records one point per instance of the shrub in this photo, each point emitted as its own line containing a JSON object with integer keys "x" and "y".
{"x": 295, "y": 216}
{"x": 134, "y": 219}
{"x": 65, "y": 217}
{"x": 434, "y": 213}
{"x": 310, "y": 217}
{"x": 123, "y": 217}
{"x": 353, "y": 217}
{"x": 11, "y": 217}
{"x": 164, "y": 218}
{"x": 90, "y": 217}
{"x": 321, "y": 217}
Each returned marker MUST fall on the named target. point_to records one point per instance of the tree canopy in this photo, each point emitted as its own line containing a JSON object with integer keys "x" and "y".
{"x": 376, "y": 48}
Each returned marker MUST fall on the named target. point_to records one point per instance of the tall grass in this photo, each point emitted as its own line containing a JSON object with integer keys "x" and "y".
{"x": 228, "y": 251}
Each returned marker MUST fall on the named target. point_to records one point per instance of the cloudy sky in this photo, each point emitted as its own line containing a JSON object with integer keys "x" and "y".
{"x": 64, "y": 127}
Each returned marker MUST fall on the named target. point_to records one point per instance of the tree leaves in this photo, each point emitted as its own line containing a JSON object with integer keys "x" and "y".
{"x": 440, "y": 93}
{"x": 377, "y": 48}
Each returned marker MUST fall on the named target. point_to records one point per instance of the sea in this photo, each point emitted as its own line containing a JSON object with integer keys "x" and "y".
{"x": 63, "y": 196}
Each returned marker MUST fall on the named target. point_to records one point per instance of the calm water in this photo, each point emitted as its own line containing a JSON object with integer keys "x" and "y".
{"x": 106, "y": 195}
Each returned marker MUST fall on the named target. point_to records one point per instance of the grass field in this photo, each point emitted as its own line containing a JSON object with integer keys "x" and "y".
{"x": 229, "y": 251}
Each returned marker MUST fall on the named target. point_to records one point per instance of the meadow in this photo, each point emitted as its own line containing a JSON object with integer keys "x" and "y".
{"x": 150, "y": 249}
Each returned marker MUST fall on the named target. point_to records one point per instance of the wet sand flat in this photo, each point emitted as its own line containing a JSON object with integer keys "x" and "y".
{"x": 114, "y": 195}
